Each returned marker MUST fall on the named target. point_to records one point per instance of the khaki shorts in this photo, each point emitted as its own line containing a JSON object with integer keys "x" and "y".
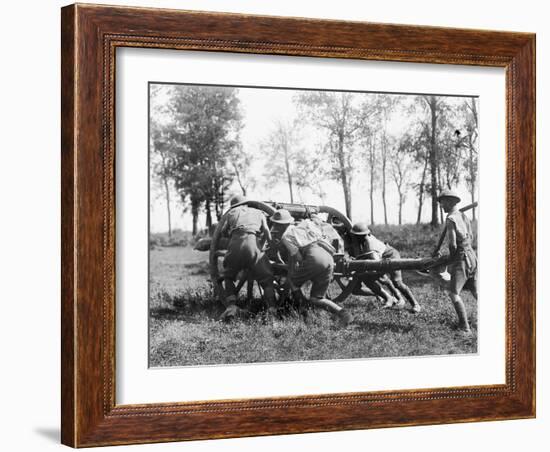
{"x": 244, "y": 254}
{"x": 463, "y": 272}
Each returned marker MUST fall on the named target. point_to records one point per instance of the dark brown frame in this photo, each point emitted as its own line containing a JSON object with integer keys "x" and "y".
{"x": 90, "y": 34}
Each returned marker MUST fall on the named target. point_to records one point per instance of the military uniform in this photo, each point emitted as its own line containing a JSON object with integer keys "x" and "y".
{"x": 317, "y": 263}
{"x": 463, "y": 266}
{"x": 373, "y": 248}
{"x": 244, "y": 227}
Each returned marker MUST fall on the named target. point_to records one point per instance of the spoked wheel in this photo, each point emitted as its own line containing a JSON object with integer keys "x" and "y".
{"x": 344, "y": 286}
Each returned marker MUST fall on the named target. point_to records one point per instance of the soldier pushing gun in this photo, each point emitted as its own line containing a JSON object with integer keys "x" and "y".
{"x": 247, "y": 230}
{"x": 366, "y": 245}
{"x": 309, "y": 259}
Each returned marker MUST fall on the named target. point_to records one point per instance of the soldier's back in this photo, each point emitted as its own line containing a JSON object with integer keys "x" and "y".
{"x": 245, "y": 219}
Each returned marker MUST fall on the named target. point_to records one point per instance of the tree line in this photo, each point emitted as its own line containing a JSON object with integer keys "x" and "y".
{"x": 419, "y": 144}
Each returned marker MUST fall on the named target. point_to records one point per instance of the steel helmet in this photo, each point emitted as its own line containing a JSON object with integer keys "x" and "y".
{"x": 448, "y": 193}
{"x": 282, "y": 216}
{"x": 237, "y": 199}
{"x": 360, "y": 229}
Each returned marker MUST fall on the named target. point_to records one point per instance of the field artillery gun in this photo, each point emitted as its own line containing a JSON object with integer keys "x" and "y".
{"x": 348, "y": 272}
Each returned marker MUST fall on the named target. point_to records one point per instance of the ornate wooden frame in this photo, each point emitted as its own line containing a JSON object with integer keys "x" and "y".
{"x": 90, "y": 35}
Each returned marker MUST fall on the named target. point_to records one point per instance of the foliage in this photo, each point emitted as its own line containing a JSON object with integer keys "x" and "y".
{"x": 408, "y": 144}
{"x": 201, "y": 141}
{"x": 338, "y": 115}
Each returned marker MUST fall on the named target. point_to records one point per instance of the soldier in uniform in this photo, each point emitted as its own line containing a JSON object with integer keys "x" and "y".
{"x": 247, "y": 230}
{"x": 463, "y": 265}
{"x": 309, "y": 259}
{"x": 365, "y": 242}
{"x": 380, "y": 284}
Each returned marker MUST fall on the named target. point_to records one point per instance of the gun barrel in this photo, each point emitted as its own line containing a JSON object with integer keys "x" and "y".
{"x": 298, "y": 211}
{"x": 388, "y": 265}
{"x": 468, "y": 207}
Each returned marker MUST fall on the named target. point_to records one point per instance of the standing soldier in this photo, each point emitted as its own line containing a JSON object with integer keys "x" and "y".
{"x": 365, "y": 242}
{"x": 309, "y": 259}
{"x": 247, "y": 230}
{"x": 463, "y": 265}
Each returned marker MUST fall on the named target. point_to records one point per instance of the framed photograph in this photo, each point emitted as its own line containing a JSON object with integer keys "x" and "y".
{"x": 281, "y": 225}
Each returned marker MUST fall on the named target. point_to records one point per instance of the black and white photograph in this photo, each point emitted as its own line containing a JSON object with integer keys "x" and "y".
{"x": 305, "y": 225}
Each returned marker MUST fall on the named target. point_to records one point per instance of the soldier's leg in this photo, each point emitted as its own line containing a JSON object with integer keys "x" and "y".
{"x": 397, "y": 279}
{"x": 321, "y": 266}
{"x": 263, "y": 273}
{"x": 230, "y": 270}
{"x": 230, "y": 292}
{"x": 387, "y": 282}
{"x": 471, "y": 285}
{"x": 373, "y": 284}
{"x": 458, "y": 279}
{"x": 235, "y": 260}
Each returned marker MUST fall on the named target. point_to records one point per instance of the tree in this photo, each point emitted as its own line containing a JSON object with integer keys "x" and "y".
{"x": 338, "y": 116}
{"x": 240, "y": 166}
{"x": 371, "y": 158}
{"x": 282, "y": 148}
{"x": 206, "y": 134}
{"x": 385, "y": 105}
{"x": 402, "y": 167}
{"x": 437, "y": 123}
{"x": 160, "y": 145}
{"x": 471, "y": 142}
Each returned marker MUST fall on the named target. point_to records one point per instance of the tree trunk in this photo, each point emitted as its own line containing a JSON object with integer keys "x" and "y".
{"x": 371, "y": 200}
{"x": 421, "y": 192}
{"x": 344, "y": 174}
{"x": 217, "y": 187}
{"x": 239, "y": 179}
{"x": 473, "y": 209}
{"x": 167, "y": 193}
{"x": 400, "y": 208}
{"x": 372, "y": 159}
{"x": 208, "y": 214}
{"x": 439, "y": 186}
{"x": 472, "y": 180}
{"x": 289, "y": 179}
{"x": 195, "y": 213}
{"x": 433, "y": 162}
{"x": 288, "y": 173}
{"x": 384, "y": 162}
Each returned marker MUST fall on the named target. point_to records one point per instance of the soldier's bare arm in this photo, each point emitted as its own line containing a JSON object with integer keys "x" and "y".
{"x": 266, "y": 233}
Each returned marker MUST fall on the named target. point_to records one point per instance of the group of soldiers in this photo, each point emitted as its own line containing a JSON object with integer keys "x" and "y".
{"x": 308, "y": 254}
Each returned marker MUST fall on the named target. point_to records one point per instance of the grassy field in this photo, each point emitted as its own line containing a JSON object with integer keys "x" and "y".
{"x": 184, "y": 329}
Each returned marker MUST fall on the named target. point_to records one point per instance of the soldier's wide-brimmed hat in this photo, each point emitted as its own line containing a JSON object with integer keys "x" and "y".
{"x": 237, "y": 199}
{"x": 360, "y": 229}
{"x": 447, "y": 193}
{"x": 282, "y": 216}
